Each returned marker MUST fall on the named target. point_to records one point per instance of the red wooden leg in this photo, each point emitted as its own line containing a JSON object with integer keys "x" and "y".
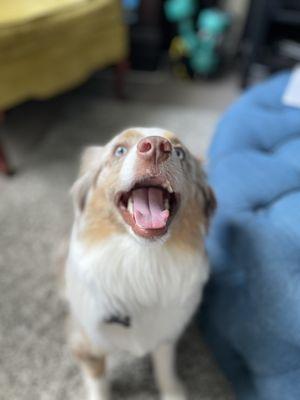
{"x": 4, "y": 165}
{"x": 120, "y": 72}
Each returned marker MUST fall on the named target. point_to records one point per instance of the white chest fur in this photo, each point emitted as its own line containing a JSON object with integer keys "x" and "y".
{"x": 158, "y": 289}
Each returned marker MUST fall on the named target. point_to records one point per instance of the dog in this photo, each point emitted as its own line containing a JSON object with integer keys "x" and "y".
{"x": 136, "y": 263}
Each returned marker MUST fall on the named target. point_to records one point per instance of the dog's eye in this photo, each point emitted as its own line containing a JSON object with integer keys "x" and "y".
{"x": 120, "y": 151}
{"x": 180, "y": 153}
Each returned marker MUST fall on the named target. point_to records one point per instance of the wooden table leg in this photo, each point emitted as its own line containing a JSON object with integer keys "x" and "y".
{"x": 4, "y": 168}
{"x": 4, "y": 164}
{"x": 120, "y": 72}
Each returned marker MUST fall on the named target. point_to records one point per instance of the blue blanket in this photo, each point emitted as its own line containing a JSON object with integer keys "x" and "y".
{"x": 251, "y": 313}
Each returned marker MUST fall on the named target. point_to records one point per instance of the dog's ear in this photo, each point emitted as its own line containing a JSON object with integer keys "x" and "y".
{"x": 90, "y": 167}
{"x": 210, "y": 202}
{"x": 91, "y": 159}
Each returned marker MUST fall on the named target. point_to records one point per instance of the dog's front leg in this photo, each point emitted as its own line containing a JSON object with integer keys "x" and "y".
{"x": 92, "y": 364}
{"x": 164, "y": 368}
{"x": 94, "y": 376}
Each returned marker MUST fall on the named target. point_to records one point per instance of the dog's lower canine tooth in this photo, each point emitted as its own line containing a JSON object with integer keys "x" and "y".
{"x": 130, "y": 205}
{"x": 169, "y": 187}
{"x": 167, "y": 204}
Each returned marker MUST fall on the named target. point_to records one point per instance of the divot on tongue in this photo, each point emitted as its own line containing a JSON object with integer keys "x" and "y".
{"x": 148, "y": 208}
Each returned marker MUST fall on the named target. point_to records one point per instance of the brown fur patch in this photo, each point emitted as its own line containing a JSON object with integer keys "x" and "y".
{"x": 172, "y": 138}
{"x": 92, "y": 361}
{"x": 100, "y": 219}
{"x": 169, "y": 135}
{"x": 130, "y": 134}
{"x": 95, "y": 365}
{"x": 186, "y": 230}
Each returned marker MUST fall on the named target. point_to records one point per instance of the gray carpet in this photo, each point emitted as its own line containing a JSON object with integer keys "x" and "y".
{"x": 44, "y": 140}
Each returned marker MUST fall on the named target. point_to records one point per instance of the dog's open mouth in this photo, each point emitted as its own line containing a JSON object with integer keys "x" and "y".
{"x": 148, "y": 208}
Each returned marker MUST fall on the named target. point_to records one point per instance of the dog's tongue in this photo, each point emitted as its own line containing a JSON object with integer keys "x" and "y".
{"x": 148, "y": 208}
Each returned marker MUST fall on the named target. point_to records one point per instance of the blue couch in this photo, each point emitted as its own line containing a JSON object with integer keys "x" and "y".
{"x": 251, "y": 312}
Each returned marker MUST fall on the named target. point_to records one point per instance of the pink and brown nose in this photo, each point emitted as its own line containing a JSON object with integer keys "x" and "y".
{"x": 154, "y": 148}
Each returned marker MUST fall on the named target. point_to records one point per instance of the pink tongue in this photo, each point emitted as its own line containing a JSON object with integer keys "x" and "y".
{"x": 148, "y": 208}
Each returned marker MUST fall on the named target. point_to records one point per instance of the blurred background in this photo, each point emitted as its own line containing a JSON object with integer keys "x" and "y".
{"x": 192, "y": 53}
{"x": 76, "y": 72}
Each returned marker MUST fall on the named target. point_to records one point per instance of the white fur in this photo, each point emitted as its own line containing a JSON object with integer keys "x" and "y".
{"x": 164, "y": 367}
{"x": 128, "y": 168}
{"x": 97, "y": 388}
{"x": 158, "y": 289}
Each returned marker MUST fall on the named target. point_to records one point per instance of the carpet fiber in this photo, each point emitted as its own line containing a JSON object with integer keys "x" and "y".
{"x": 35, "y": 212}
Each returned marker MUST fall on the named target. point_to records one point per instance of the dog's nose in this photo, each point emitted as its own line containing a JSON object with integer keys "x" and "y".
{"x": 154, "y": 148}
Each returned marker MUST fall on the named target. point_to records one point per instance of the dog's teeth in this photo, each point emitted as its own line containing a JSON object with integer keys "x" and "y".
{"x": 130, "y": 205}
{"x": 167, "y": 204}
{"x": 167, "y": 186}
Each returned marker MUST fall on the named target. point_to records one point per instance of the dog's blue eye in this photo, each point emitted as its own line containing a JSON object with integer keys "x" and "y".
{"x": 120, "y": 151}
{"x": 180, "y": 153}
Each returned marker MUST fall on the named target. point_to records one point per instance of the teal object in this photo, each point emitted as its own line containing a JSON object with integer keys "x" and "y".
{"x": 204, "y": 61}
{"x": 186, "y": 31}
{"x": 213, "y": 21}
{"x": 203, "y": 44}
{"x": 177, "y": 10}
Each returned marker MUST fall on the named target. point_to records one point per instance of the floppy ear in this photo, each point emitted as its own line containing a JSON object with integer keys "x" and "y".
{"x": 91, "y": 158}
{"x": 90, "y": 167}
{"x": 210, "y": 202}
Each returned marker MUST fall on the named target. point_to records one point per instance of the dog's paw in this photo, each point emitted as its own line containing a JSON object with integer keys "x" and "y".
{"x": 176, "y": 392}
{"x": 99, "y": 390}
{"x": 99, "y": 396}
